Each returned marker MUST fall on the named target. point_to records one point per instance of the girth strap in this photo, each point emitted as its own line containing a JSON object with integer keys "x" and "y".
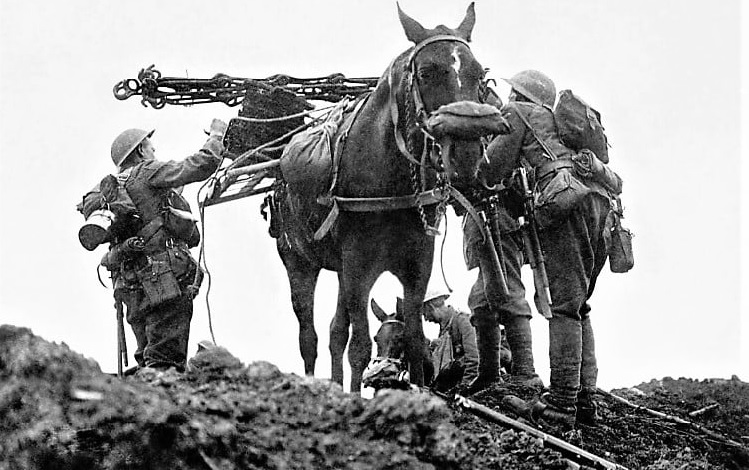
{"x": 383, "y": 204}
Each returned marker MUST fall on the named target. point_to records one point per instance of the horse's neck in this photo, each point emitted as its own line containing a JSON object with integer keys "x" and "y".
{"x": 371, "y": 164}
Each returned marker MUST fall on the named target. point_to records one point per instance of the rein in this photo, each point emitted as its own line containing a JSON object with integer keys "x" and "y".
{"x": 415, "y": 93}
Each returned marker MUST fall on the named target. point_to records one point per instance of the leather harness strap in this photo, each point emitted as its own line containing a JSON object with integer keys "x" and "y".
{"x": 382, "y": 204}
{"x": 418, "y": 102}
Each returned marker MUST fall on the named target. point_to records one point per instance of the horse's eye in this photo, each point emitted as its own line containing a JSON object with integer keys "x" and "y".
{"x": 431, "y": 73}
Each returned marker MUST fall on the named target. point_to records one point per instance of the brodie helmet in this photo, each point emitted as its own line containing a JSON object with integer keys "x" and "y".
{"x": 535, "y": 86}
{"x": 126, "y": 142}
{"x": 435, "y": 294}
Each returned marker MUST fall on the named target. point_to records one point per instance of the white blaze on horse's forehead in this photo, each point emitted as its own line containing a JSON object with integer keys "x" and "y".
{"x": 456, "y": 64}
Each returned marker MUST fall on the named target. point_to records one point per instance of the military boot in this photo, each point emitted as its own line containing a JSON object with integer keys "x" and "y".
{"x": 587, "y": 410}
{"x": 520, "y": 339}
{"x": 486, "y": 324}
{"x": 565, "y": 357}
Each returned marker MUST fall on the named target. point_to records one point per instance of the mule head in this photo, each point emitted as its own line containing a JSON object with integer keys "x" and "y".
{"x": 390, "y": 339}
{"x": 439, "y": 71}
{"x": 388, "y": 368}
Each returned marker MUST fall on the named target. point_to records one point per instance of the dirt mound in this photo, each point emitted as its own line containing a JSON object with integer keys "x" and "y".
{"x": 59, "y": 411}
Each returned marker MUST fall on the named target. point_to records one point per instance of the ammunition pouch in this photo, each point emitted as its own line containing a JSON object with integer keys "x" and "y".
{"x": 165, "y": 275}
{"x": 558, "y": 192}
{"x": 158, "y": 281}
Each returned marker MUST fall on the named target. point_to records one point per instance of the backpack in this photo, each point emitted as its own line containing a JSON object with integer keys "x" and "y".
{"x": 109, "y": 212}
{"x": 580, "y": 125}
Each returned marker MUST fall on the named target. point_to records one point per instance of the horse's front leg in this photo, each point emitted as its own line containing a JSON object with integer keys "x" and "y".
{"x": 302, "y": 282}
{"x": 339, "y": 333}
{"x": 414, "y": 276}
{"x": 354, "y": 299}
{"x": 415, "y": 350}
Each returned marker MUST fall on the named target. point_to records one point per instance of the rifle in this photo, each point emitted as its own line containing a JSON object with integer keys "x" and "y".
{"x": 532, "y": 245}
{"x": 121, "y": 344}
{"x": 568, "y": 450}
{"x": 490, "y": 218}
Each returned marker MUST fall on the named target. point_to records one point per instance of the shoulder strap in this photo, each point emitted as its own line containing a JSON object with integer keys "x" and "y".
{"x": 151, "y": 227}
{"x": 546, "y": 148}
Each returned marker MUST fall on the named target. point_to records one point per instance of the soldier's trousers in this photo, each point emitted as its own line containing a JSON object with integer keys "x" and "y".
{"x": 162, "y": 333}
{"x": 485, "y": 295}
{"x": 575, "y": 253}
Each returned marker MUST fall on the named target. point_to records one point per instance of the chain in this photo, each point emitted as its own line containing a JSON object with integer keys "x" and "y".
{"x": 158, "y": 91}
{"x": 413, "y": 168}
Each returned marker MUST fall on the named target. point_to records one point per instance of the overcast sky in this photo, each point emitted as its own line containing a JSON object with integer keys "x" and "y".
{"x": 665, "y": 75}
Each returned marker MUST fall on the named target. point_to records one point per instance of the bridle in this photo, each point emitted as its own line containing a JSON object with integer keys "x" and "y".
{"x": 412, "y": 88}
{"x": 401, "y": 357}
{"x": 442, "y": 193}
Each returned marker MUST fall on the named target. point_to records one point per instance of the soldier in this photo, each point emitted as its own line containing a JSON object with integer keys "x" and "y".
{"x": 152, "y": 269}
{"x": 573, "y": 245}
{"x": 455, "y": 356}
{"x": 490, "y": 308}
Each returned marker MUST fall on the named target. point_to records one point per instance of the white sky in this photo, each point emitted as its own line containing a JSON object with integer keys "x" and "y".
{"x": 665, "y": 75}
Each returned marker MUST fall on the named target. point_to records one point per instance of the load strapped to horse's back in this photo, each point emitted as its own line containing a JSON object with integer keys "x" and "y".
{"x": 272, "y": 112}
{"x": 401, "y": 151}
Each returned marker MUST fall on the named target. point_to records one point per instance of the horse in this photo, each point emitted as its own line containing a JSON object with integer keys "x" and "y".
{"x": 387, "y": 369}
{"x": 391, "y": 180}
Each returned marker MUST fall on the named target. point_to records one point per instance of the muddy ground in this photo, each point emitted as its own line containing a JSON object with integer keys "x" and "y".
{"x": 59, "y": 411}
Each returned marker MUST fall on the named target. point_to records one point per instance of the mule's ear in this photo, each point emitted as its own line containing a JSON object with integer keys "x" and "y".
{"x": 414, "y": 31}
{"x": 378, "y": 311}
{"x": 466, "y": 27}
{"x": 399, "y": 312}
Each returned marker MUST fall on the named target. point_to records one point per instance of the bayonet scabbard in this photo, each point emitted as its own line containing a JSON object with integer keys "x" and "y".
{"x": 494, "y": 248}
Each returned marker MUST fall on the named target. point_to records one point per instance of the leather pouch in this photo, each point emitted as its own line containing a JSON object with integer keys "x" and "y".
{"x": 558, "y": 197}
{"x": 158, "y": 281}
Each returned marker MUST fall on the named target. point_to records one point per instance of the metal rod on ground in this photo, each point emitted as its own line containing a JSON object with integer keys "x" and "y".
{"x": 673, "y": 419}
{"x": 703, "y": 410}
{"x": 565, "y": 448}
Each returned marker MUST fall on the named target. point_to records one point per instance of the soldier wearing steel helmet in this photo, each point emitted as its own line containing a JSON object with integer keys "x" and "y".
{"x": 489, "y": 307}
{"x": 152, "y": 269}
{"x": 574, "y": 247}
{"x": 458, "y": 365}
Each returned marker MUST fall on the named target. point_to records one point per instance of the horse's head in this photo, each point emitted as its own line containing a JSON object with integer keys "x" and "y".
{"x": 390, "y": 339}
{"x": 440, "y": 70}
{"x": 388, "y": 368}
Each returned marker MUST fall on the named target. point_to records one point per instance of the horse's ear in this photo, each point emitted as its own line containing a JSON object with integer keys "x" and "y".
{"x": 414, "y": 31}
{"x": 466, "y": 27}
{"x": 399, "y": 313}
{"x": 378, "y": 311}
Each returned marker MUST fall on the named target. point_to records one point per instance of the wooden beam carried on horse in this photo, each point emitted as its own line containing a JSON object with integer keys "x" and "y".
{"x": 254, "y": 168}
{"x": 244, "y": 187}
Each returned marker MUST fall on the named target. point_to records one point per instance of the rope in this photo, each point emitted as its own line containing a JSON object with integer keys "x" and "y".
{"x": 202, "y": 263}
{"x": 442, "y": 258}
{"x": 245, "y": 156}
{"x": 283, "y": 118}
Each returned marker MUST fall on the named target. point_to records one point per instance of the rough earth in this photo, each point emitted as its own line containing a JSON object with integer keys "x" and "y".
{"x": 59, "y": 411}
